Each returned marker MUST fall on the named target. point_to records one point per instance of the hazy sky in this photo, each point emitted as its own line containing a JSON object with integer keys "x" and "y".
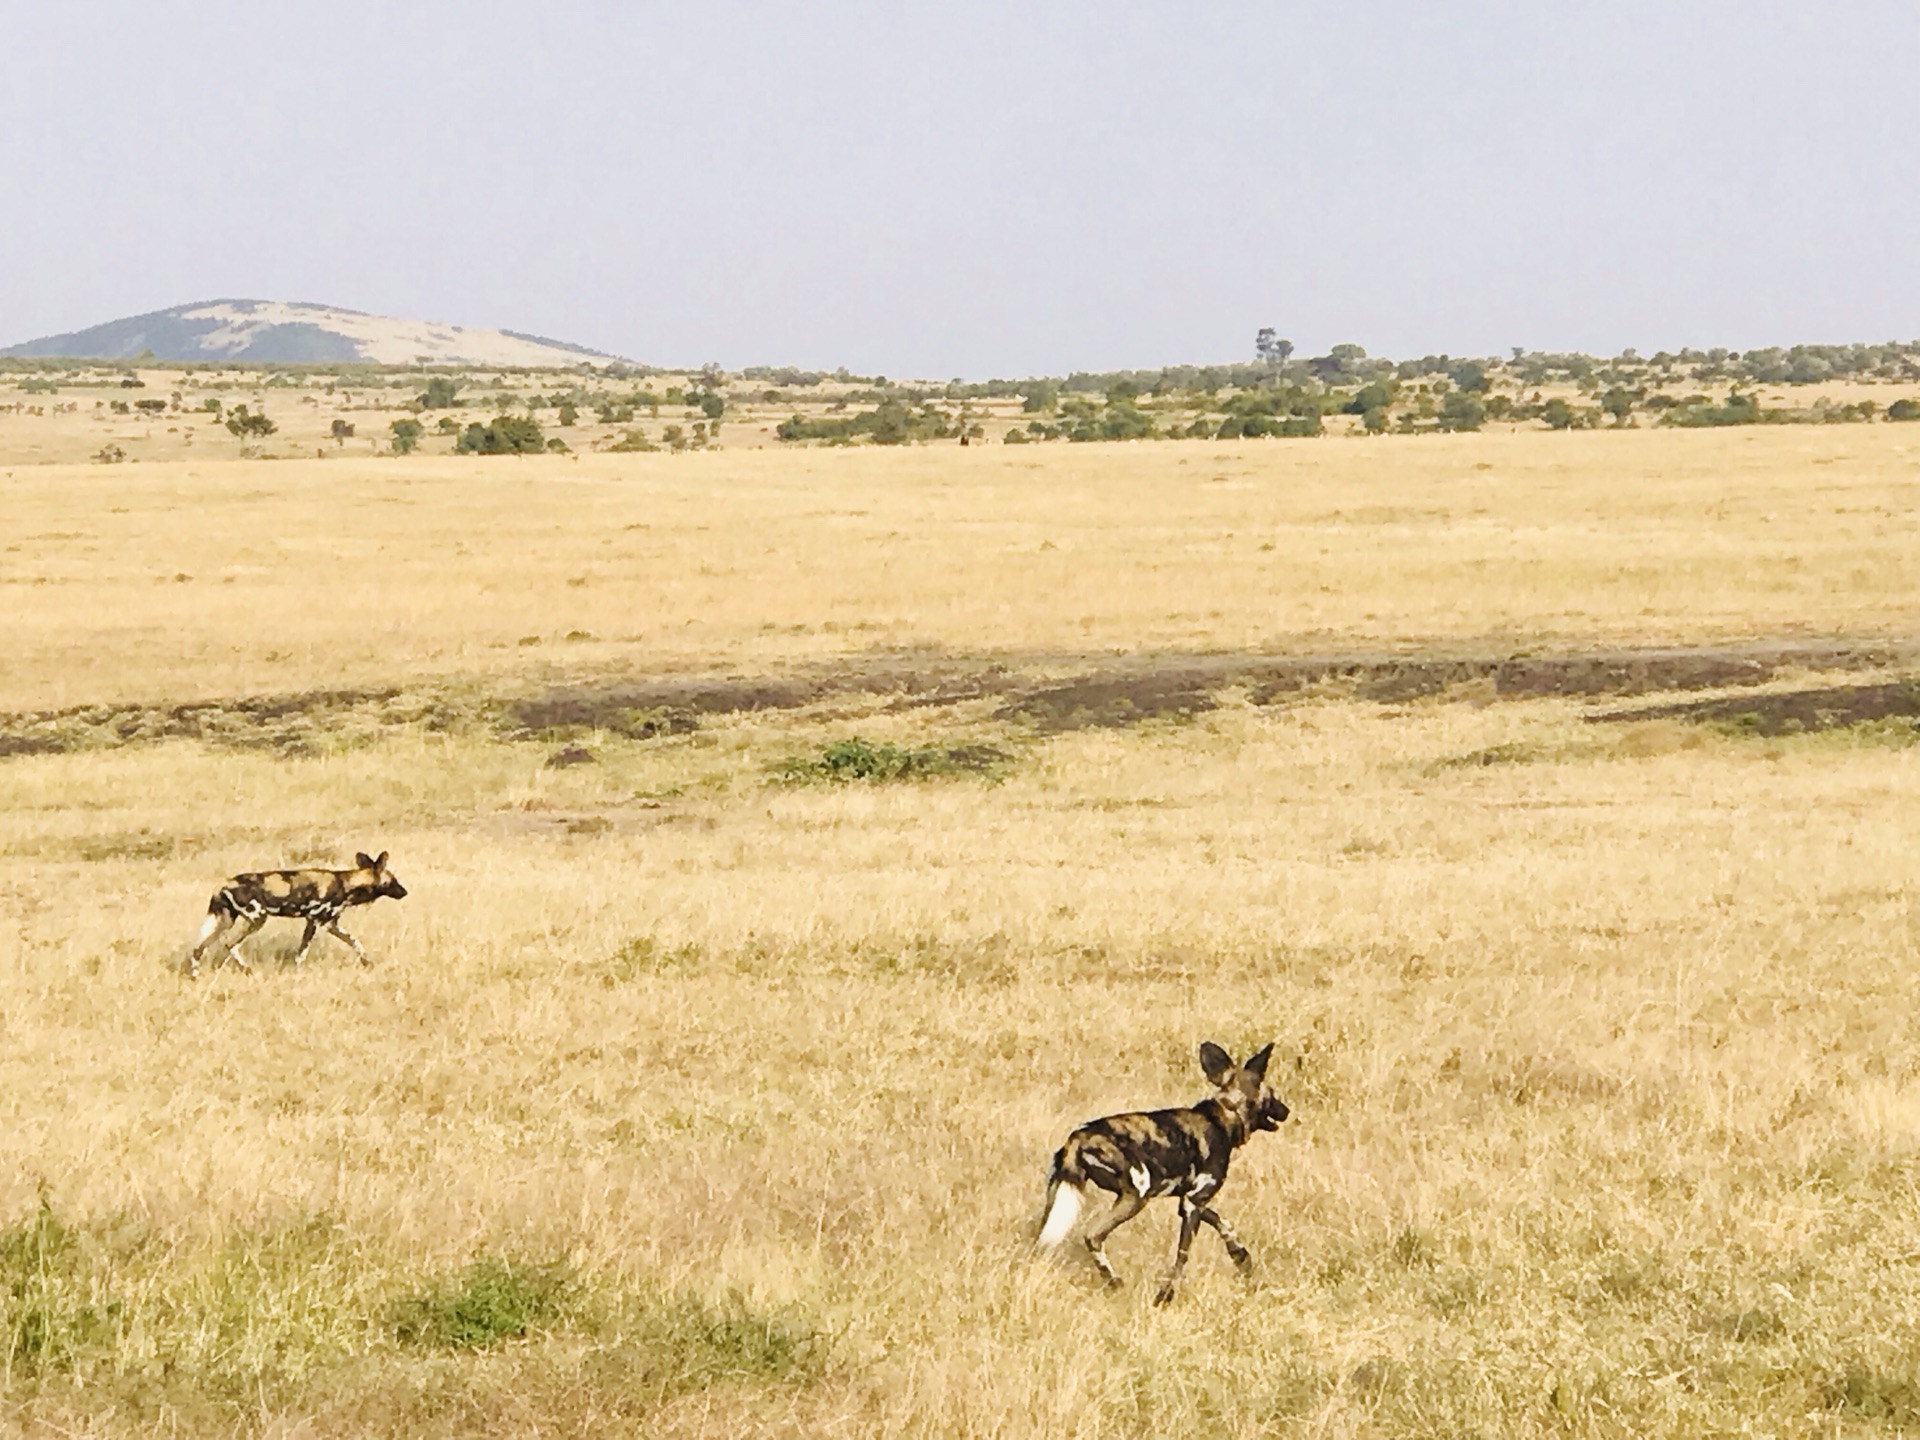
{"x": 979, "y": 189}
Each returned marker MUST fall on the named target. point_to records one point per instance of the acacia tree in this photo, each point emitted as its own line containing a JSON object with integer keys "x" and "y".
{"x": 1272, "y": 350}
{"x": 247, "y": 425}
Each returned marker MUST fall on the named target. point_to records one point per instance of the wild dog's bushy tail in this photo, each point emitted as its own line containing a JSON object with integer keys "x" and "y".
{"x": 1066, "y": 1196}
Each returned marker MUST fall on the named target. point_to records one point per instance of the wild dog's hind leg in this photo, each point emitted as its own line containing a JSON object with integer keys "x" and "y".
{"x": 1124, "y": 1209}
{"x": 333, "y": 929}
{"x": 245, "y": 926}
{"x": 220, "y": 937}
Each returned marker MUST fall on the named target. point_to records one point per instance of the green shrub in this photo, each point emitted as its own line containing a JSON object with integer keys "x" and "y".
{"x": 441, "y": 393}
{"x": 1904, "y": 410}
{"x": 1375, "y": 396}
{"x": 406, "y": 436}
{"x": 249, "y": 426}
{"x": 507, "y": 435}
{"x": 1460, "y": 411}
{"x": 1739, "y": 410}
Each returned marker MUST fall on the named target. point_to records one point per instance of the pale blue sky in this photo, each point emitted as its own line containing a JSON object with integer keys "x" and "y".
{"x": 981, "y": 189}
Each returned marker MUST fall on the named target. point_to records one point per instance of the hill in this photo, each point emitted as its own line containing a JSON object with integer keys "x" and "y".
{"x": 279, "y": 332}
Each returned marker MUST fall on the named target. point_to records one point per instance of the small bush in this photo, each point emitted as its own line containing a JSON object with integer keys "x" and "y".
{"x": 442, "y": 393}
{"x": 1460, "y": 411}
{"x": 494, "y": 1300}
{"x": 249, "y": 426}
{"x": 859, "y": 759}
{"x": 507, "y": 435}
{"x": 1904, "y": 410}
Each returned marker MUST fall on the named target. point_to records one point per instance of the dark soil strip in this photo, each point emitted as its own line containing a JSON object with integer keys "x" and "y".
{"x": 1791, "y": 712}
{"x": 1189, "y": 686}
{"x": 1050, "y": 692}
{"x": 1100, "y": 691}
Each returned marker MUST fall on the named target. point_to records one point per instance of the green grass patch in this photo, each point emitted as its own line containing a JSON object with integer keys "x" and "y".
{"x": 643, "y": 955}
{"x": 50, "y": 1320}
{"x": 491, "y": 1301}
{"x": 858, "y": 759}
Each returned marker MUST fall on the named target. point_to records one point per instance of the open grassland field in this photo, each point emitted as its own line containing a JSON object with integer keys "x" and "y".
{"x": 1553, "y": 802}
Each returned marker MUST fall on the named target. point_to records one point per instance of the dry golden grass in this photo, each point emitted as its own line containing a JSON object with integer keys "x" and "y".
{"x": 186, "y": 581}
{"x": 1600, "y": 1038}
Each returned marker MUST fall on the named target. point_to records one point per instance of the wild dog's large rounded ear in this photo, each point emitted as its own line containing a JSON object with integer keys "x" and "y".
{"x": 1256, "y": 1065}
{"x": 381, "y": 864}
{"x": 1215, "y": 1063}
{"x": 366, "y": 861}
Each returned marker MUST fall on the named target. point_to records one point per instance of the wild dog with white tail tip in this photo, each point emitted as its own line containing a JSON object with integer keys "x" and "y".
{"x": 246, "y": 902}
{"x": 1145, "y": 1154}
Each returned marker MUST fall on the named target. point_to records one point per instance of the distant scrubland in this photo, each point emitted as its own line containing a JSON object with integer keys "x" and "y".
{"x": 65, "y": 410}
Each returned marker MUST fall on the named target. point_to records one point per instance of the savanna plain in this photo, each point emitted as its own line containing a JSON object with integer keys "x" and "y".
{"x": 800, "y": 844}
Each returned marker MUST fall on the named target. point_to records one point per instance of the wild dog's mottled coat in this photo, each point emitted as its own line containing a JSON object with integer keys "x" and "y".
{"x": 1184, "y": 1153}
{"x": 246, "y": 902}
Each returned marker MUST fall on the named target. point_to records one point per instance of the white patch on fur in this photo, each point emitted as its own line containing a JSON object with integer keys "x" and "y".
{"x": 209, "y": 925}
{"x": 1142, "y": 1179}
{"x": 1065, "y": 1209}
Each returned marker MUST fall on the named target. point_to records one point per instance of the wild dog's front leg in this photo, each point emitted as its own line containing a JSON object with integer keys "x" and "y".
{"x": 1242, "y": 1257}
{"x": 1189, "y": 1224}
{"x": 333, "y": 929}
{"x": 1124, "y": 1209}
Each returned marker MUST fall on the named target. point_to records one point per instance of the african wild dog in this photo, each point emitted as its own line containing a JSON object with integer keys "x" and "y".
{"x": 246, "y": 902}
{"x": 1183, "y": 1153}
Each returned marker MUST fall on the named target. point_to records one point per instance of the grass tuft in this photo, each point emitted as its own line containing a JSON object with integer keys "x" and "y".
{"x": 675, "y": 1343}
{"x": 47, "y": 1322}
